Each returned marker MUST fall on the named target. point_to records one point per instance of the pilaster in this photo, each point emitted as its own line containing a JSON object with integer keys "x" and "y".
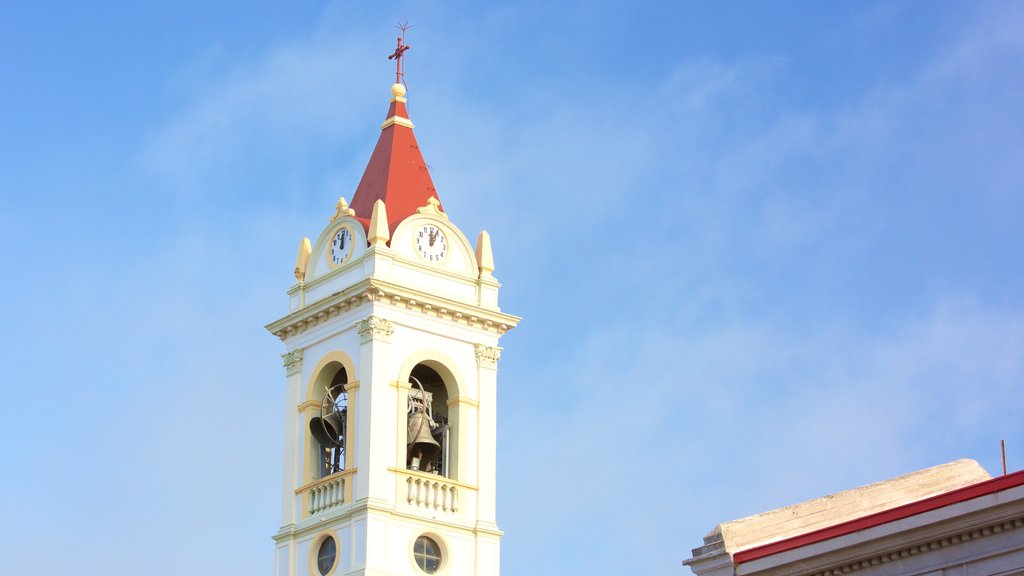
{"x": 284, "y": 564}
{"x": 375, "y": 423}
{"x": 292, "y": 362}
{"x": 487, "y": 437}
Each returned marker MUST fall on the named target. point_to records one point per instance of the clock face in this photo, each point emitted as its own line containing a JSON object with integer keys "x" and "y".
{"x": 340, "y": 248}
{"x": 431, "y": 243}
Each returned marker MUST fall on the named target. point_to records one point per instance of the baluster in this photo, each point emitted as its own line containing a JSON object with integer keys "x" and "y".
{"x": 410, "y": 495}
{"x": 420, "y": 490}
{"x": 446, "y": 505}
{"x": 455, "y": 499}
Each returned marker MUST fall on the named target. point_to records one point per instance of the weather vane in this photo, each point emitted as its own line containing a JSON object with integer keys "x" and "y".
{"x": 399, "y": 52}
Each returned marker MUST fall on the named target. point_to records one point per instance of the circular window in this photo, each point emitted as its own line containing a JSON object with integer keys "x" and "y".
{"x": 427, "y": 554}
{"x": 326, "y": 555}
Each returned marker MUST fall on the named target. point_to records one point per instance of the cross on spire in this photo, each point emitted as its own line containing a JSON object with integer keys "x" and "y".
{"x": 399, "y": 52}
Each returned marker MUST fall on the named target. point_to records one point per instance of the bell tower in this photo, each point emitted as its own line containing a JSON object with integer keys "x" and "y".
{"x": 391, "y": 371}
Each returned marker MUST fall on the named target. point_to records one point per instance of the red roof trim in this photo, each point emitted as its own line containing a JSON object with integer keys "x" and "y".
{"x": 884, "y": 517}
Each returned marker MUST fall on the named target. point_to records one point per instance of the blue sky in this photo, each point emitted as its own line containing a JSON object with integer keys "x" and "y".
{"x": 763, "y": 252}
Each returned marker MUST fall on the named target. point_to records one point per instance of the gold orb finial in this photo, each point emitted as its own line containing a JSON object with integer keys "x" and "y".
{"x": 397, "y": 90}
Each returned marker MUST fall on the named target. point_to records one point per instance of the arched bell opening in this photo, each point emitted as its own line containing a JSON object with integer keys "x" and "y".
{"x": 430, "y": 432}
{"x": 328, "y": 421}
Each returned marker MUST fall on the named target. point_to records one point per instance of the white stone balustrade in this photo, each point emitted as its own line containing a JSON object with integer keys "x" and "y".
{"x": 325, "y": 494}
{"x": 432, "y": 493}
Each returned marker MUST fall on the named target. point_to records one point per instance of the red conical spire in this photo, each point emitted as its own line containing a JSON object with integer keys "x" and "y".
{"x": 396, "y": 172}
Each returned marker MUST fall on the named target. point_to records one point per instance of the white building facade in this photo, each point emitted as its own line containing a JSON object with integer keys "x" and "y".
{"x": 392, "y": 347}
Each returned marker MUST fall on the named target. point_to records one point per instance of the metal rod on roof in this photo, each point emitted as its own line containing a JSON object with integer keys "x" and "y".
{"x": 1002, "y": 447}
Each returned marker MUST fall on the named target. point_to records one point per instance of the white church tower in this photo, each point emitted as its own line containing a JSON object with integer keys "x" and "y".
{"x": 392, "y": 350}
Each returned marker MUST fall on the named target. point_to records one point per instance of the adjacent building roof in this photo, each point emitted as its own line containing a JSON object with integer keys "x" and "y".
{"x": 738, "y": 535}
{"x": 949, "y": 517}
{"x": 883, "y": 517}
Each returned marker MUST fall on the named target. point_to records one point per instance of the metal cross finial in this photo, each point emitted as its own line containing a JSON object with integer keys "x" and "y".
{"x": 399, "y": 52}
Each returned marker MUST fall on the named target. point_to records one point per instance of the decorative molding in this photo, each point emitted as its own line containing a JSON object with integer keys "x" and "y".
{"x": 375, "y": 328}
{"x": 292, "y": 362}
{"x": 342, "y": 209}
{"x": 374, "y": 294}
{"x": 397, "y": 120}
{"x": 378, "y": 291}
{"x": 487, "y": 356}
{"x": 488, "y": 528}
{"x": 923, "y": 548}
{"x": 463, "y": 400}
{"x": 300, "y": 325}
{"x": 285, "y": 532}
{"x": 433, "y": 208}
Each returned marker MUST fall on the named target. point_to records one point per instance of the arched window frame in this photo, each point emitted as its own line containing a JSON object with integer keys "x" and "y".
{"x": 321, "y": 377}
{"x": 458, "y": 409}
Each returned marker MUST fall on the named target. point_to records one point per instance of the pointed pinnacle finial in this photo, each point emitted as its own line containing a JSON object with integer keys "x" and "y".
{"x": 302, "y": 260}
{"x": 379, "y": 233}
{"x": 484, "y": 255}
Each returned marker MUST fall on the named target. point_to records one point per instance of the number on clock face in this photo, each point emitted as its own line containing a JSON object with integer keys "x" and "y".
{"x": 341, "y": 247}
{"x": 431, "y": 243}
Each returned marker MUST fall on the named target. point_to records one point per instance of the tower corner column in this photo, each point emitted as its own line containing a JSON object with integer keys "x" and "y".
{"x": 487, "y": 439}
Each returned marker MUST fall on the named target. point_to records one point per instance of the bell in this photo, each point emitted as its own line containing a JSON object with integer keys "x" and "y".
{"x": 329, "y": 429}
{"x": 422, "y": 448}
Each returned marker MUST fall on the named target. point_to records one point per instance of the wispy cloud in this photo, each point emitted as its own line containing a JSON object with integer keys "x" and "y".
{"x": 732, "y": 300}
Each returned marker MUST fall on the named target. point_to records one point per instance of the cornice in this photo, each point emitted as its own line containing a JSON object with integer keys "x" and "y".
{"x": 370, "y": 290}
{"x": 441, "y": 307}
{"x": 924, "y": 547}
{"x": 321, "y": 311}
